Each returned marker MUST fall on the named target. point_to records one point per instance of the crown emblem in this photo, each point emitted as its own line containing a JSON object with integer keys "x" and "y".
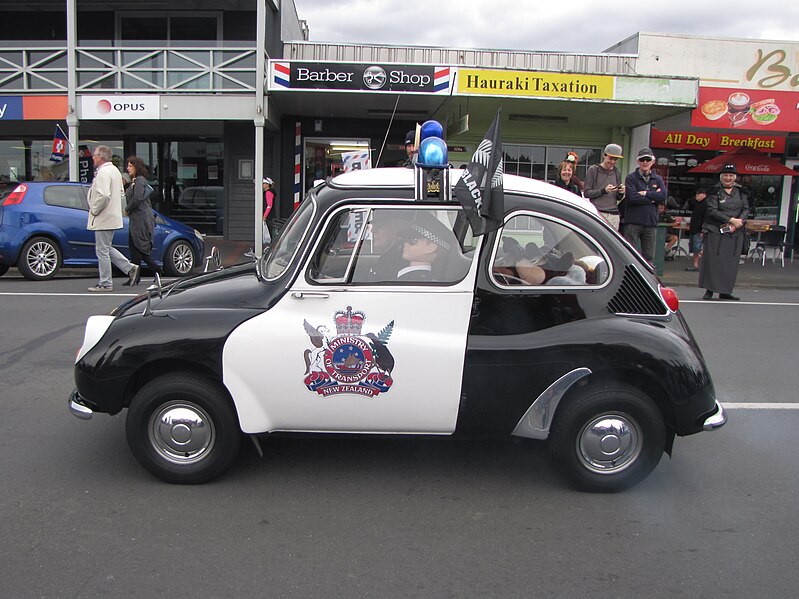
{"x": 349, "y": 322}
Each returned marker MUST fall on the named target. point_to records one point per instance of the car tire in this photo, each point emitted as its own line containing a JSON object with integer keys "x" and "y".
{"x": 3, "y": 269}
{"x": 179, "y": 258}
{"x": 183, "y": 429}
{"x": 607, "y": 439}
{"x": 40, "y": 259}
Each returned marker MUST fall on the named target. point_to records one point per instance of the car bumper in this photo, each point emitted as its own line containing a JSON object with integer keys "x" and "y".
{"x": 717, "y": 420}
{"x": 78, "y": 407}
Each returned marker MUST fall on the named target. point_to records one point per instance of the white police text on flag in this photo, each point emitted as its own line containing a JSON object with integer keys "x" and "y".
{"x": 480, "y": 189}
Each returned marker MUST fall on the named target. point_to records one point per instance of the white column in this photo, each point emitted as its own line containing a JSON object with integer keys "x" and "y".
{"x": 258, "y": 121}
{"x": 72, "y": 84}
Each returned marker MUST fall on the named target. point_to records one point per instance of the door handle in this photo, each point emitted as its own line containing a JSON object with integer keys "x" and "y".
{"x": 309, "y": 295}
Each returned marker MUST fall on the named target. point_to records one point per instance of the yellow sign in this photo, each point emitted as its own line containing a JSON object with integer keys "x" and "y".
{"x": 535, "y": 84}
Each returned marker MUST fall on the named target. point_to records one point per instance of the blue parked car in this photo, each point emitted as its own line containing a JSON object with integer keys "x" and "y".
{"x": 43, "y": 227}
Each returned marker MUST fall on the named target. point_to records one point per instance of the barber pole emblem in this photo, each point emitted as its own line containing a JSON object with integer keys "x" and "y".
{"x": 349, "y": 362}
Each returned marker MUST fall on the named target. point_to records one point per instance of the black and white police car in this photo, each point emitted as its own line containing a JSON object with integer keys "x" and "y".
{"x": 377, "y": 311}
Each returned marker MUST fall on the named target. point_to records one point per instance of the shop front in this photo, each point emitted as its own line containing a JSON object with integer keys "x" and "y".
{"x": 335, "y": 112}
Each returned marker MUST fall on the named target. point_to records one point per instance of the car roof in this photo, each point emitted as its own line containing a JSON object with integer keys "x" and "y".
{"x": 402, "y": 178}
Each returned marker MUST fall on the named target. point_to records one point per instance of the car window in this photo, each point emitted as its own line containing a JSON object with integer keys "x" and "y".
{"x": 66, "y": 196}
{"x": 282, "y": 251}
{"x": 532, "y": 250}
{"x": 396, "y": 246}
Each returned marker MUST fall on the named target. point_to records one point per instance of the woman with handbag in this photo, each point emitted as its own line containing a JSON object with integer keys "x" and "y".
{"x": 140, "y": 213}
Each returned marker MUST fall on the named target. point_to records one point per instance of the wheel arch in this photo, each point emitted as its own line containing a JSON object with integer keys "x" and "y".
{"x": 644, "y": 382}
{"x": 158, "y": 368}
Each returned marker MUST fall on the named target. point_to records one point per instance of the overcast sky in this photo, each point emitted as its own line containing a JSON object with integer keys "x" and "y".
{"x": 584, "y": 26}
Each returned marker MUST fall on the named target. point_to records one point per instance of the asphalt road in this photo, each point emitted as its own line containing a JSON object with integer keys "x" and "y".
{"x": 394, "y": 517}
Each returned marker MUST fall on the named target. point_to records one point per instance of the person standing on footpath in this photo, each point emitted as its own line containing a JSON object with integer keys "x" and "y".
{"x": 725, "y": 217}
{"x": 410, "y": 148}
{"x": 140, "y": 214}
{"x": 697, "y": 206}
{"x": 604, "y": 186}
{"x": 573, "y": 158}
{"x": 565, "y": 178}
{"x": 105, "y": 217}
{"x": 645, "y": 190}
{"x": 269, "y": 204}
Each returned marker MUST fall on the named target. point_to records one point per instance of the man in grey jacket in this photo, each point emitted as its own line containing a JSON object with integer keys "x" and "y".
{"x": 105, "y": 217}
{"x": 604, "y": 185}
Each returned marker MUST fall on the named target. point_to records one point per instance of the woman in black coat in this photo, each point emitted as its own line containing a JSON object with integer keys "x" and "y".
{"x": 140, "y": 213}
{"x": 725, "y": 217}
{"x": 565, "y": 178}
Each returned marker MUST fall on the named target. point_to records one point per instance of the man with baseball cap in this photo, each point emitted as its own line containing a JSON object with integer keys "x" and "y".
{"x": 604, "y": 187}
{"x": 645, "y": 190}
{"x": 410, "y": 147}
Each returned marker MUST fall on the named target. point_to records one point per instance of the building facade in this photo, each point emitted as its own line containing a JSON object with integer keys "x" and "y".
{"x": 214, "y": 96}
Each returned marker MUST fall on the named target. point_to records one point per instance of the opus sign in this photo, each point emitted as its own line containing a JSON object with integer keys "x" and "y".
{"x": 119, "y": 107}
{"x": 337, "y": 76}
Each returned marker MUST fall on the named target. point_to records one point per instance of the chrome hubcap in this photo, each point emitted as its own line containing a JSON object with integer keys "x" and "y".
{"x": 182, "y": 433}
{"x": 42, "y": 258}
{"x": 609, "y": 443}
{"x": 183, "y": 258}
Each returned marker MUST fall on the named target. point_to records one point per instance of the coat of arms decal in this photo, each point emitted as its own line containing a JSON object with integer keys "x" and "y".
{"x": 349, "y": 362}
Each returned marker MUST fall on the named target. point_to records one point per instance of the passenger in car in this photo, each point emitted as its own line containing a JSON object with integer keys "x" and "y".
{"x": 426, "y": 246}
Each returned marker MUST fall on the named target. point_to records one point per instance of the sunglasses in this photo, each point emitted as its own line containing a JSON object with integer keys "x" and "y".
{"x": 645, "y": 159}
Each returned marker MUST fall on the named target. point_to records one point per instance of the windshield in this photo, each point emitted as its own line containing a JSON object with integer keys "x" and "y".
{"x": 282, "y": 252}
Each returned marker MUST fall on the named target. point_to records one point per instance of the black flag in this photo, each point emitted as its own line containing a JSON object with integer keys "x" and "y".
{"x": 480, "y": 190}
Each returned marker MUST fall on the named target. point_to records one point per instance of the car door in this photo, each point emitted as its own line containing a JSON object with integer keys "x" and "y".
{"x": 68, "y": 210}
{"x": 351, "y": 349}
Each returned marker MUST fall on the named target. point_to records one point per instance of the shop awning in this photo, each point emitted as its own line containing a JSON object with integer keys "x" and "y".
{"x": 747, "y": 162}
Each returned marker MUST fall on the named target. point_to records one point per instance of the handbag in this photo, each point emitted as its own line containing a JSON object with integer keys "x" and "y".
{"x": 148, "y": 191}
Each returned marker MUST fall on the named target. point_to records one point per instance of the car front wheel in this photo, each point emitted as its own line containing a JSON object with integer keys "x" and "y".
{"x": 3, "y": 269}
{"x": 39, "y": 259}
{"x": 183, "y": 429}
{"x": 607, "y": 439}
{"x": 179, "y": 258}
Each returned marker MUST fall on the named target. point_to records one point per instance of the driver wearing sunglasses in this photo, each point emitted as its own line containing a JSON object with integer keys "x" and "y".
{"x": 645, "y": 190}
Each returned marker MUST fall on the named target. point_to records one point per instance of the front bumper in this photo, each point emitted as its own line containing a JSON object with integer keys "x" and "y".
{"x": 78, "y": 407}
{"x": 715, "y": 421}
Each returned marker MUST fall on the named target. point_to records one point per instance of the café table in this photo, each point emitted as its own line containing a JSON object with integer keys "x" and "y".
{"x": 759, "y": 227}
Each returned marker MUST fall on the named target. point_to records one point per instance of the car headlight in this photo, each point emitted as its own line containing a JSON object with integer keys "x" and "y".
{"x": 198, "y": 235}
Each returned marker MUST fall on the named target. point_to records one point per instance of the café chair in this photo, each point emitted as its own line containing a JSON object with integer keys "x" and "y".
{"x": 774, "y": 240}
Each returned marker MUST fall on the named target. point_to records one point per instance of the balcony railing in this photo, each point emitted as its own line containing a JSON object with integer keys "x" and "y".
{"x": 129, "y": 70}
{"x": 599, "y": 64}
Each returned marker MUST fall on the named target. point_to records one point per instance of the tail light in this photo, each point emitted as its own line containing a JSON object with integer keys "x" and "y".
{"x": 670, "y": 297}
{"x": 16, "y": 196}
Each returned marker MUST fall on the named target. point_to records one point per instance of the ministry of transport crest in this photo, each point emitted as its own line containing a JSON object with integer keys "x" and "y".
{"x": 349, "y": 362}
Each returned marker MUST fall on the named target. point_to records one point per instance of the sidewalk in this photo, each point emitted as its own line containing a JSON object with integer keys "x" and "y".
{"x": 750, "y": 275}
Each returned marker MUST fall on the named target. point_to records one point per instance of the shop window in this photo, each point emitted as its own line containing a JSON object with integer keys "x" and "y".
{"x": 324, "y": 157}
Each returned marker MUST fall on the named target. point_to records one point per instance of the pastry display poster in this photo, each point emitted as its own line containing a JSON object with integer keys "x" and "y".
{"x": 746, "y": 109}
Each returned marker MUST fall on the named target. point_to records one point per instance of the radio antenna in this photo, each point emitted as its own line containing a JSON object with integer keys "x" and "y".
{"x": 388, "y": 129}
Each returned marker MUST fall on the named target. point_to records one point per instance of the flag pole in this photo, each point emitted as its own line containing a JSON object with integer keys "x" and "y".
{"x": 71, "y": 147}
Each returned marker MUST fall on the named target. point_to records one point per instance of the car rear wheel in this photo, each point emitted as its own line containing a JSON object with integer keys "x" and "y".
{"x": 39, "y": 259}
{"x": 608, "y": 439}
{"x": 3, "y": 269}
{"x": 179, "y": 258}
{"x": 183, "y": 429}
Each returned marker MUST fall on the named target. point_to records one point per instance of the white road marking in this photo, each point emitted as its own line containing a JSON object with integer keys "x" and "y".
{"x": 86, "y": 294}
{"x": 727, "y": 303}
{"x": 760, "y": 406}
